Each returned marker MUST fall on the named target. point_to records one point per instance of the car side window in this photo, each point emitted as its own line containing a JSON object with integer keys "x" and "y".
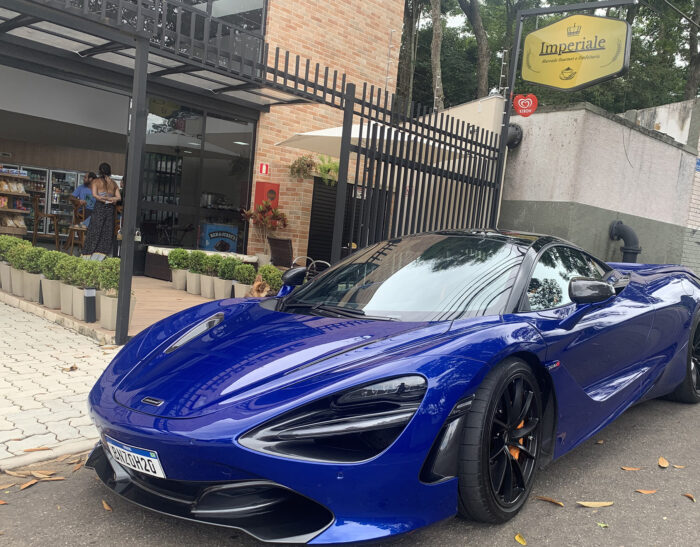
{"x": 549, "y": 284}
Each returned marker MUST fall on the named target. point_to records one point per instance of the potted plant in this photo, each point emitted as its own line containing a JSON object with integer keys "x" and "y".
{"x": 266, "y": 218}
{"x": 66, "y": 271}
{"x": 179, "y": 262}
{"x": 211, "y": 268}
{"x": 244, "y": 274}
{"x": 87, "y": 277}
{"x": 32, "y": 273}
{"x": 109, "y": 284}
{"x": 272, "y": 276}
{"x": 195, "y": 270}
{"x": 50, "y": 284}
{"x": 327, "y": 169}
{"x": 224, "y": 283}
{"x": 303, "y": 167}
{"x": 16, "y": 256}
{"x": 7, "y": 243}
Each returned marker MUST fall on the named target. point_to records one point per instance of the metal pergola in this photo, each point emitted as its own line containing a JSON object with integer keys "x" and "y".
{"x": 165, "y": 47}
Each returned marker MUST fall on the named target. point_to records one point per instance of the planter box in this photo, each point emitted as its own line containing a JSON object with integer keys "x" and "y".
{"x": 193, "y": 283}
{"x": 66, "y": 298}
{"x": 98, "y": 305}
{"x": 264, "y": 259}
{"x": 17, "y": 282}
{"x": 240, "y": 290}
{"x": 51, "y": 289}
{"x": 179, "y": 279}
{"x": 222, "y": 288}
{"x": 79, "y": 303}
{"x": 5, "y": 277}
{"x": 108, "y": 308}
{"x": 207, "y": 285}
{"x": 32, "y": 282}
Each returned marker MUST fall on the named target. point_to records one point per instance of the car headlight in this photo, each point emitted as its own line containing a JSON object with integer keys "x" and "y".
{"x": 350, "y": 426}
{"x": 195, "y": 332}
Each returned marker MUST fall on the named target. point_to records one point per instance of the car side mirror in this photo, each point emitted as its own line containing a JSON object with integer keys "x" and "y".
{"x": 584, "y": 290}
{"x": 294, "y": 277}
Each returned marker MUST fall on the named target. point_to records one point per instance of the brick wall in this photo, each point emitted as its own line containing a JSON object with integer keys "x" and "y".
{"x": 350, "y": 36}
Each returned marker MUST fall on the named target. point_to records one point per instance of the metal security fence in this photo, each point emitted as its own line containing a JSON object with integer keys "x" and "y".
{"x": 416, "y": 172}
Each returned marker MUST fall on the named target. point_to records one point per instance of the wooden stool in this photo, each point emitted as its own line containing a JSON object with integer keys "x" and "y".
{"x": 76, "y": 232}
{"x": 38, "y": 215}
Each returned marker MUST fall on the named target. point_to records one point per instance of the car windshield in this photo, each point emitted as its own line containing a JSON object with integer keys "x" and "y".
{"x": 434, "y": 277}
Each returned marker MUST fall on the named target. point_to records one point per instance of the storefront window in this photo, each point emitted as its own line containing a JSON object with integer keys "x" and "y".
{"x": 247, "y": 14}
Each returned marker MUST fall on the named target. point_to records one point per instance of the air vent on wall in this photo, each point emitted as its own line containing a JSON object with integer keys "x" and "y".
{"x": 5, "y": 155}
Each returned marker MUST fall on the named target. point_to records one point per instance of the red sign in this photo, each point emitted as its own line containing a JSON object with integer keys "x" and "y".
{"x": 525, "y": 104}
{"x": 264, "y": 169}
{"x": 269, "y": 191}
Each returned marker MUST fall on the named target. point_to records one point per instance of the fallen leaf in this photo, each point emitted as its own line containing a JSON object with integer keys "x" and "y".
{"x": 109, "y": 347}
{"x": 46, "y": 472}
{"x": 679, "y": 466}
{"x": 550, "y": 500}
{"x": 70, "y": 368}
{"x": 663, "y": 462}
{"x": 690, "y": 497}
{"x": 20, "y": 474}
{"x": 63, "y": 458}
{"x": 38, "y": 475}
{"x": 78, "y": 466}
{"x": 8, "y": 485}
{"x": 54, "y": 479}
{"x": 630, "y": 468}
{"x": 520, "y": 539}
{"x": 74, "y": 460}
{"x": 602, "y": 524}
{"x": 37, "y": 449}
{"x": 646, "y": 491}
{"x": 600, "y": 441}
{"x": 3, "y": 502}
{"x": 106, "y": 506}
{"x": 28, "y": 484}
{"x": 595, "y": 503}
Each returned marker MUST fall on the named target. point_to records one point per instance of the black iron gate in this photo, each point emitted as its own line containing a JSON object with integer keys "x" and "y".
{"x": 424, "y": 171}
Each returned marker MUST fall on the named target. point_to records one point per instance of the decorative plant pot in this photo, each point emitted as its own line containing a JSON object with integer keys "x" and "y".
{"x": 206, "y": 287}
{"x": 17, "y": 282}
{"x": 263, "y": 259}
{"x": 31, "y": 282}
{"x": 222, "y": 288}
{"x": 66, "y": 298}
{"x": 108, "y": 309}
{"x": 79, "y": 303}
{"x": 193, "y": 283}
{"x": 179, "y": 279}
{"x": 5, "y": 277}
{"x": 241, "y": 290}
{"x": 51, "y": 290}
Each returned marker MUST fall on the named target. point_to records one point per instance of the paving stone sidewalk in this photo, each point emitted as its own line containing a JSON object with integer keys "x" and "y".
{"x": 46, "y": 373}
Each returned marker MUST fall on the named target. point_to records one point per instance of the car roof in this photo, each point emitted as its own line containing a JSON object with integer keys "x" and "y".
{"x": 525, "y": 239}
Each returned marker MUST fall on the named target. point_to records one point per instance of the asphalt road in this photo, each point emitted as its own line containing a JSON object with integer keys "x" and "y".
{"x": 71, "y": 513}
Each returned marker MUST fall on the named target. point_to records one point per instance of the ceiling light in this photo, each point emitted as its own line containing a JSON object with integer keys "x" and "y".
{"x": 241, "y": 143}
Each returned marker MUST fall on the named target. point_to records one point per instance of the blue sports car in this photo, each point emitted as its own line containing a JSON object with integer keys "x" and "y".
{"x": 419, "y": 378}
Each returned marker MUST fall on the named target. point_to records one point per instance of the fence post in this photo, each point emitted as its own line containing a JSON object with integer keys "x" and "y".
{"x": 343, "y": 166}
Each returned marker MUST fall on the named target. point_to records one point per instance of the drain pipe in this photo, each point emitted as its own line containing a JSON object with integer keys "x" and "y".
{"x": 631, "y": 248}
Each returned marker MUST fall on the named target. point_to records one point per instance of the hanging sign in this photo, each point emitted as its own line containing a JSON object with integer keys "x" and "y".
{"x": 525, "y": 104}
{"x": 577, "y": 52}
{"x": 264, "y": 169}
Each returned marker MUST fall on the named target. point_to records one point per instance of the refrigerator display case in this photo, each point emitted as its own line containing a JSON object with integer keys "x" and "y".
{"x": 36, "y": 186}
{"x": 62, "y": 185}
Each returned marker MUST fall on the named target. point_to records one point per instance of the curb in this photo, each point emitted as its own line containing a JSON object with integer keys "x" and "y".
{"x": 104, "y": 338}
{"x": 73, "y": 447}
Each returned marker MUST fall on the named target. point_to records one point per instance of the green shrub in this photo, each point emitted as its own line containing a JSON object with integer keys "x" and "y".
{"x": 272, "y": 276}
{"x": 211, "y": 264}
{"x": 32, "y": 259}
{"x": 7, "y": 243}
{"x": 197, "y": 261}
{"x": 244, "y": 273}
{"x": 67, "y": 269}
{"x": 109, "y": 275}
{"x": 48, "y": 262}
{"x": 179, "y": 259}
{"x": 17, "y": 256}
{"x": 227, "y": 268}
{"x": 88, "y": 274}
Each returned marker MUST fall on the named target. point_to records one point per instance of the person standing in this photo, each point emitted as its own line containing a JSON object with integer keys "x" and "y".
{"x": 82, "y": 195}
{"x": 98, "y": 242}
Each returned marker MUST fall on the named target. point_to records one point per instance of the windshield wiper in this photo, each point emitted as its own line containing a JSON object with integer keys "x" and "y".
{"x": 339, "y": 311}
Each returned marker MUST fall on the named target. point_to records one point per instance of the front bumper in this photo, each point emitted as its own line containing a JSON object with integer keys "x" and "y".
{"x": 265, "y": 510}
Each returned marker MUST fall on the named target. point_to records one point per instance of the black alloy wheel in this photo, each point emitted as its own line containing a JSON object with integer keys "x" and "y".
{"x": 689, "y": 390}
{"x": 501, "y": 444}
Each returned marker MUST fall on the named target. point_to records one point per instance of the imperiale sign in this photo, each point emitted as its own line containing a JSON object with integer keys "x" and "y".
{"x": 576, "y": 52}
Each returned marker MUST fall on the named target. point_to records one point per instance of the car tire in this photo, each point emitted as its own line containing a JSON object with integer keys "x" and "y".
{"x": 689, "y": 391}
{"x": 501, "y": 442}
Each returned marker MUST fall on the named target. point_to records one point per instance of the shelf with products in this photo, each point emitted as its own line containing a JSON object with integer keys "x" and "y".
{"x": 16, "y": 211}
{"x": 9, "y": 230}
{"x": 14, "y": 194}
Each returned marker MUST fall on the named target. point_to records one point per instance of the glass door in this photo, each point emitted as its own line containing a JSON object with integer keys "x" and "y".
{"x": 62, "y": 185}
{"x": 36, "y": 186}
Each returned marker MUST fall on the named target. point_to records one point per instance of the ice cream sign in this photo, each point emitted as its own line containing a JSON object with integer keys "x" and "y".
{"x": 577, "y": 52}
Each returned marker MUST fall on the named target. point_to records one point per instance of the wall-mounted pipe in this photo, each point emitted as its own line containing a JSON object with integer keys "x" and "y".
{"x": 631, "y": 248}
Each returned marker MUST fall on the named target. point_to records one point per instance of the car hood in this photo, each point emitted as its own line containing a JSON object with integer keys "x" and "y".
{"x": 256, "y": 349}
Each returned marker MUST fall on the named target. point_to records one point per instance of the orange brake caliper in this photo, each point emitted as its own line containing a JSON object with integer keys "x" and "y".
{"x": 515, "y": 452}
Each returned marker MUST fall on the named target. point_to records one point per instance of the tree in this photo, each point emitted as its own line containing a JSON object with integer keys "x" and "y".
{"x": 435, "y": 49}
{"x": 693, "y": 80}
{"x": 407, "y": 54}
{"x": 472, "y": 10}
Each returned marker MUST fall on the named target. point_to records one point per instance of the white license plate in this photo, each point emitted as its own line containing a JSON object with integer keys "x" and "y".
{"x": 138, "y": 459}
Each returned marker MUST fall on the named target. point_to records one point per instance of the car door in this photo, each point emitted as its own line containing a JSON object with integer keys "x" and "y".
{"x": 596, "y": 352}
